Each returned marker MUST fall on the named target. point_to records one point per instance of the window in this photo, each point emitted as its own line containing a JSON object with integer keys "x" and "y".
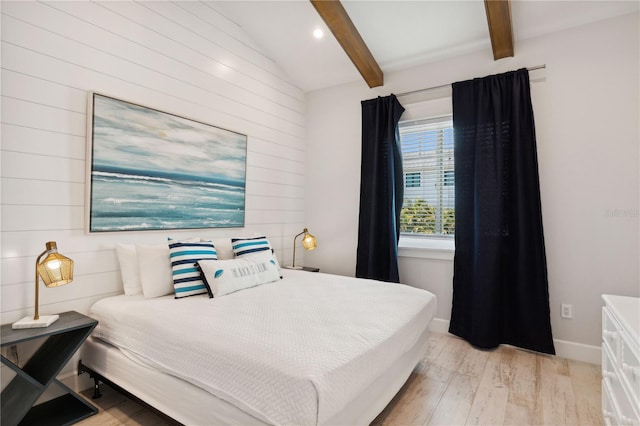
{"x": 427, "y": 153}
{"x": 412, "y": 180}
{"x": 448, "y": 178}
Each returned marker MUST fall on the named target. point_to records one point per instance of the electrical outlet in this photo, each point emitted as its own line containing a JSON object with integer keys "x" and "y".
{"x": 567, "y": 310}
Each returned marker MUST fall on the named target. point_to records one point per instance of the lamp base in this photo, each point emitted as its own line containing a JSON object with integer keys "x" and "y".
{"x": 29, "y": 322}
{"x": 293, "y": 267}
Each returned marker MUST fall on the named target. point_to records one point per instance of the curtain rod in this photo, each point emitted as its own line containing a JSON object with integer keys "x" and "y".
{"x": 537, "y": 67}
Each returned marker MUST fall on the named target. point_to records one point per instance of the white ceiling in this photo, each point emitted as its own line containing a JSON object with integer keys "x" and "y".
{"x": 399, "y": 34}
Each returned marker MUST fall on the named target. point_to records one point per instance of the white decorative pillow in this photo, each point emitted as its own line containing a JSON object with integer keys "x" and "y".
{"x": 155, "y": 270}
{"x": 228, "y": 276}
{"x": 223, "y": 248}
{"x": 273, "y": 252}
{"x": 128, "y": 259}
{"x": 186, "y": 275}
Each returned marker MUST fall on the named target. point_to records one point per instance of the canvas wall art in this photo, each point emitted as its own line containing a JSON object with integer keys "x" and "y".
{"x": 151, "y": 170}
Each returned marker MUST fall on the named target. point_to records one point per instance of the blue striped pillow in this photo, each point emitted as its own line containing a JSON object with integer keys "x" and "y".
{"x": 187, "y": 280}
{"x": 247, "y": 246}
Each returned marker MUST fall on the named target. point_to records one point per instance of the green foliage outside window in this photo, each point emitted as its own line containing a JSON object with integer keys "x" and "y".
{"x": 419, "y": 217}
{"x": 449, "y": 222}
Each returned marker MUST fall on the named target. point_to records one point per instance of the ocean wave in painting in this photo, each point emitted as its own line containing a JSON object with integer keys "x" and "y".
{"x": 136, "y": 200}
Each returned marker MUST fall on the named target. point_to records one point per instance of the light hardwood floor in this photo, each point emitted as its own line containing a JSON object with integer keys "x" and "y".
{"x": 454, "y": 384}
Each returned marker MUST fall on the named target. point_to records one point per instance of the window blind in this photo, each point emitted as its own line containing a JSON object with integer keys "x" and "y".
{"x": 429, "y": 200}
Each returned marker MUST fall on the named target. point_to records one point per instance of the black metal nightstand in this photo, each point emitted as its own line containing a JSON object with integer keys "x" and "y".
{"x": 63, "y": 338}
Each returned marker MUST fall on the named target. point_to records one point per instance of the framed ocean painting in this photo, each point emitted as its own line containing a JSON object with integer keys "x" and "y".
{"x": 151, "y": 170}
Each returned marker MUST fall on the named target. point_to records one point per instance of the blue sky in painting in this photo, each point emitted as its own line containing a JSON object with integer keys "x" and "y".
{"x": 130, "y": 137}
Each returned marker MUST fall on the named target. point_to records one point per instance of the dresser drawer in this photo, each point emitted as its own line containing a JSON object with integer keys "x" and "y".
{"x": 612, "y": 412}
{"x": 620, "y": 405}
{"x": 611, "y": 333}
{"x": 630, "y": 367}
{"x": 609, "y": 410}
{"x": 621, "y": 360}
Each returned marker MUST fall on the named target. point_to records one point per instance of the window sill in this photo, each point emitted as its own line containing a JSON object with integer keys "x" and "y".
{"x": 426, "y": 248}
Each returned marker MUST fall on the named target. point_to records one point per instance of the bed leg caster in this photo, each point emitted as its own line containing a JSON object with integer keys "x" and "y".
{"x": 96, "y": 388}
{"x": 92, "y": 375}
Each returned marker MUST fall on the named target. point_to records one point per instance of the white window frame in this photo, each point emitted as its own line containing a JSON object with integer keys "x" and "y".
{"x": 432, "y": 104}
{"x": 427, "y": 150}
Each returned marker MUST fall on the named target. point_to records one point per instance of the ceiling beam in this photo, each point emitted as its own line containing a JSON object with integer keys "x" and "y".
{"x": 338, "y": 21}
{"x": 499, "y": 20}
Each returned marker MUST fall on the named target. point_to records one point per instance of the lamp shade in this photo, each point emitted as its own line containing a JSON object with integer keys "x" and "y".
{"x": 55, "y": 269}
{"x": 308, "y": 241}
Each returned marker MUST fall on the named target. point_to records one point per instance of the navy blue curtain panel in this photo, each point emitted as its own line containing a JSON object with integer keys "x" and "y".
{"x": 381, "y": 190}
{"x": 500, "y": 288}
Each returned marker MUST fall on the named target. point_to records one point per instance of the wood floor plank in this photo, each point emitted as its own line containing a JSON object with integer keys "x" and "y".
{"x": 553, "y": 365}
{"x": 558, "y": 400}
{"x": 474, "y": 362}
{"x": 125, "y": 410}
{"x": 523, "y": 403}
{"x": 415, "y": 402}
{"x": 524, "y": 390}
{"x": 586, "y": 380}
{"x": 106, "y": 401}
{"x": 144, "y": 418}
{"x": 437, "y": 343}
{"x": 525, "y": 365}
{"x": 490, "y": 402}
{"x": 448, "y": 360}
{"x": 456, "y": 402}
{"x": 583, "y": 372}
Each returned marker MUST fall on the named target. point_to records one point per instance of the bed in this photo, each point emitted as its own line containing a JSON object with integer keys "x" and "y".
{"x": 307, "y": 349}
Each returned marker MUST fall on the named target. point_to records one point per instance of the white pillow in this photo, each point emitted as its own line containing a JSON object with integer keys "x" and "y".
{"x": 273, "y": 252}
{"x": 128, "y": 260}
{"x": 228, "y": 276}
{"x": 223, "y": 248}
{"x": 154, "y": 265}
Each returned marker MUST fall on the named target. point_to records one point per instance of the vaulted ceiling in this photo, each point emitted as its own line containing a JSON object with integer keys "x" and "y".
{"x": 399, "y": 34}
{"x": 342, "y": 28}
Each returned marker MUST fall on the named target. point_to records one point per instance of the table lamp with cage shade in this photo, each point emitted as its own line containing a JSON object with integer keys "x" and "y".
{"x": 54, "y": 270}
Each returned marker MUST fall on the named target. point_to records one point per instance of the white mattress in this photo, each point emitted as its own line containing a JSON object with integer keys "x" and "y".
{"x": 178, "y": 399}
{"x": 297, "y": 351}
{"x": 191, "y": 405}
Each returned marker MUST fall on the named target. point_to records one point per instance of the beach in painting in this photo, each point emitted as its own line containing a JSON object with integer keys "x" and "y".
{"x": 152, "y": 171}
{"x": 134, "y": 201}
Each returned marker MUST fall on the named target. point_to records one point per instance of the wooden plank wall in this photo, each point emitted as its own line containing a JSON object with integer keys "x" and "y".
{"x": 179, "y": 57}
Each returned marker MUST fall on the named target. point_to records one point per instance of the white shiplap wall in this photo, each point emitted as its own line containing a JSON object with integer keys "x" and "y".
{"x": 178, "y": 57}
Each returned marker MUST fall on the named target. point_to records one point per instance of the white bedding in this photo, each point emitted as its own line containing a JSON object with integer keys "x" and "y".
{"x": 291, "y": 352}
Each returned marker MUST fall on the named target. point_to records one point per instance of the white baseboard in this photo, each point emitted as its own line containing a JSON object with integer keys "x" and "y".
{"x": 578, "y": 351}
{"x": 564, "y": 349}
{"x": 439, "y": 326}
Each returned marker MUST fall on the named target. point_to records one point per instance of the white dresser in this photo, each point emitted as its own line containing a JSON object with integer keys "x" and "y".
{"x": 621, "y": 360}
